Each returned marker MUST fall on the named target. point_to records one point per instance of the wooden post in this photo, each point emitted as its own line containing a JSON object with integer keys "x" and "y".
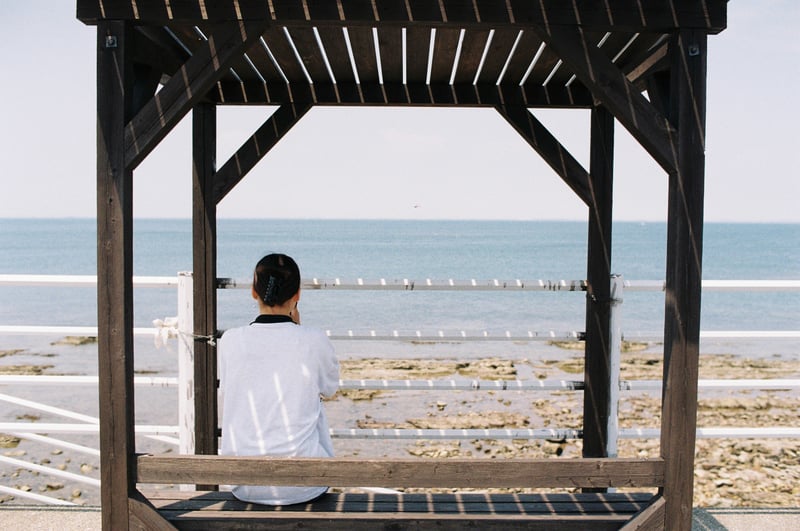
{"x": 204, "y": 223}
{"x": 683, "y": 276}
{"x": 596, "y": 394}
{"x": 115, "y": 274}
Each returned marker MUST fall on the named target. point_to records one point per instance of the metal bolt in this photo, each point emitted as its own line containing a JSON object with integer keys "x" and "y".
{"x": 694, "y": 50}
{"x": 111, "y": 41}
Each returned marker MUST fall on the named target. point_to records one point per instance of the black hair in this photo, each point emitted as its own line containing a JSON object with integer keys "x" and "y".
{"x": 276, "y": 279}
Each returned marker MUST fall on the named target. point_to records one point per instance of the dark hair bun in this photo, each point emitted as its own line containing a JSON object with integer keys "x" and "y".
{"x": 276, "y": 279}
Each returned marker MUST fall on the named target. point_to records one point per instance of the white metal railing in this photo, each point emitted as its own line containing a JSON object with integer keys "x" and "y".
{"x": 180, "y": 329}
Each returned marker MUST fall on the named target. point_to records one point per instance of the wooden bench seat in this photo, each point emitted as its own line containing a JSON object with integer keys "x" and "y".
{"x": 203, "y": 510}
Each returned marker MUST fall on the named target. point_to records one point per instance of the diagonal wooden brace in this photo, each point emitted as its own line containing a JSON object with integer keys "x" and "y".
{"x": 550, "y": 149}
{"x": 256, "y": 147}
{"x": 187, "y": 86}
{"x": 610, "y": 85}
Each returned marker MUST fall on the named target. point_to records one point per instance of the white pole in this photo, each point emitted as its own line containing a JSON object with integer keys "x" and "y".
{"x": 185, "y": 363}
{"x": 615, "y": 346}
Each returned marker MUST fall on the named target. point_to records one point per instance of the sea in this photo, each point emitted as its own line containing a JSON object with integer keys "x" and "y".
{"x": 370, "y": 250}
{"x": 395, "y": 250}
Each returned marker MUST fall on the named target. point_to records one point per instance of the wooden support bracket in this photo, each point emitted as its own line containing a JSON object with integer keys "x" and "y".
{"x": 550, "y": 149}
{"x": 610, "y": 85}
{"x": 187, "y": 87}
{"x": 256, "y": 147}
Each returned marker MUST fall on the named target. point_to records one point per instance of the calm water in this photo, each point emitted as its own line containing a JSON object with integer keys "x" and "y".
{"x": 414, "y": 250}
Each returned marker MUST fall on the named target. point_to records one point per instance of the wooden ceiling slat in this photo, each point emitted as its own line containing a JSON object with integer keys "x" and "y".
{"x": 502, "y": 42}
{"x": 390, "y": 42}
{"x": 284, "y": 55}
{"x": 654, "y": 16}
{"x": 631, "y": 57}
{"x": 287, "y": 9}
{"x": 418, "y": 42}
{"x": 493, "y": 12}
{"x": 306, "y": 44}
{"x": 425, "y": 10}
{"x": 266, "y": 68}
{"x": 391, "y": 11}
{"x": 544, "y": 65}
{"x": 321, "y": 11}
{"x": 439, "y": 94}
{"x": 460, "y": 11}
{"x": 336, "y": 50}
{"x": 358, "y": 9}
{"x": 471, "y": 52}
{"x": 361, "y": 41}
{"x": 526, "y": 50}
{"x": 444, "y": 54}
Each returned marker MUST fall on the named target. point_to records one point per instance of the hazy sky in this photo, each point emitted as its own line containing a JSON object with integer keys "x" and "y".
{"x": 398, "y": 162}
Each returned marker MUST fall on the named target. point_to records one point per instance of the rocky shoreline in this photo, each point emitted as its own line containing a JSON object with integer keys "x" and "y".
{"x": 728, "y": 472}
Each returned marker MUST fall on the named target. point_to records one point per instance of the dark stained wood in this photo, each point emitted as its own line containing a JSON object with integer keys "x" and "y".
{"x": 204, "y": 275}
{"x": 209, "y": 510}
{"x": 683, "y": 276}
{"x": 610, "y": 86}
{"x": 182, "y": 91}
{"x": 597, "y": 392}
{"x": 144, "y": 516}
{"x": 497, "y": 56}
{"x": 201, "y": 73}
{"x": 526, "y": 50}
{"x": 115, "y": 273}
{"x": 445, "y": 54}
{"x": 651, "y": 518}
{"x": 466, "y": 94}
{"x": 471, "y": 53}
{"x": 628, "y": 15}
{"x": 282, "y": 51}
{"x": 401, "y": 472}
{"x": 336, "y": 50}
{"x": 550, "y": 149}
{"x": 255, "y": 148}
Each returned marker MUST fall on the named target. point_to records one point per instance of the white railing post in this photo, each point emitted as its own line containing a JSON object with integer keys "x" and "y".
{"x": 615, "y": 345}
{"x": 185, "y": 363}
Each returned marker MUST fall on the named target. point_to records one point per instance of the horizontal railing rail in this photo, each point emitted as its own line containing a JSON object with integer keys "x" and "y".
{"x": 167, "y": 433}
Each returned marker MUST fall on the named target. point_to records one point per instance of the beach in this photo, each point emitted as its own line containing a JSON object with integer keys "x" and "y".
{"x": 728, "y": 472}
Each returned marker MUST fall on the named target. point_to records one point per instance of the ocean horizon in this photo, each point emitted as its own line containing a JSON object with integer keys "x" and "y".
{"x": 414, "y": 250}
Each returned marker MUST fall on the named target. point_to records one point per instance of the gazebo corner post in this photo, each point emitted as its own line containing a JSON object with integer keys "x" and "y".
{"x": 597, "y": 377}
{"x": 687, "y": 104}
{"x": 204, "y": 229}
{"x": 115, "y": 80}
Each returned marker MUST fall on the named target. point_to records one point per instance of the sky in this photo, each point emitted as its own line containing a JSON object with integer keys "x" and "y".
{"x": 399, "y": 163}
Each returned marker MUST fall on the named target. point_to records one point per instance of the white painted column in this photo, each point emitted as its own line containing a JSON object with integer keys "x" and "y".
{"x": 615, "y": 344}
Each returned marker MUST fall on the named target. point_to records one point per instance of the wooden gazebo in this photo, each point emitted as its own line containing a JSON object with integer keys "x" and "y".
{"x": 641, "y": 62}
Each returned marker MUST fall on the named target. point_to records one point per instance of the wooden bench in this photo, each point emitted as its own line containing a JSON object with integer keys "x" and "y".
{"x": 349, "y": 511}
{"x": 359, "y": 510}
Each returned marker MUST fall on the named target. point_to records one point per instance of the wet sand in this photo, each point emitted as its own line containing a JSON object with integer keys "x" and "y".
{"x": 728, "y": 472}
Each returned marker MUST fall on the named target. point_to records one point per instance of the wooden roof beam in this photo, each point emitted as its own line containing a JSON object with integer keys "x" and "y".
{"x": 550, "y": 149}
{"x": 611, "y": 87}
{"x": 628, "y": 15}
{"x": 416, "y": 94}
{"x": 256, "y": 147}
{"x": 187, "y": 87}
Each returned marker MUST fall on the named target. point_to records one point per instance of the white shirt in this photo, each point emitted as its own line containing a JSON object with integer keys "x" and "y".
{"x": 271, "y": 379}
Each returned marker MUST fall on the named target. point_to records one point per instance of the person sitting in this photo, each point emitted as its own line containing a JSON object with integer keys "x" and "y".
{"x": 273, "y": 374}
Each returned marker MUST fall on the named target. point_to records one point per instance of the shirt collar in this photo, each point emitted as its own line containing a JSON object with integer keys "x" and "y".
{"x": 266, "y": 318}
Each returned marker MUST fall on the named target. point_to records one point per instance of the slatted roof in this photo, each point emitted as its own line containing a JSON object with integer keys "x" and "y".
{"x": 418, "y": 52}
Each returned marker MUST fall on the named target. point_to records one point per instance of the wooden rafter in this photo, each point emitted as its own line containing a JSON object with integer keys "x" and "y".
{"x": 633, "y": 15}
